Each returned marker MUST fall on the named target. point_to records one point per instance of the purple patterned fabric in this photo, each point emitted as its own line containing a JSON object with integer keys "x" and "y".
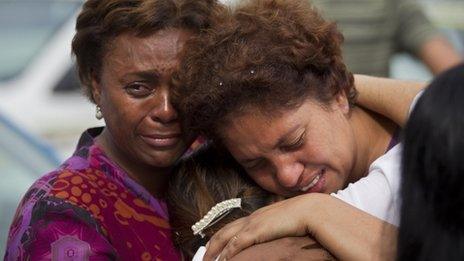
{"x": 90, "y": 209}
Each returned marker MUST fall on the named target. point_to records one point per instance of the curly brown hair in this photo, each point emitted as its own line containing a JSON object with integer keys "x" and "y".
{"x": 100, "y": 21}
{"x": 269, "y": 55}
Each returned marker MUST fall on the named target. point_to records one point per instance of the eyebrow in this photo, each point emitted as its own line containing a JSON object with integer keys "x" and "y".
{"x": 150, "y": 75}
{"x": 279, "y": 143}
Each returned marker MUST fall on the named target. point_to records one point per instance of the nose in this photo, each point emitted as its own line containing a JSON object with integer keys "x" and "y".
{"x": 288, "y": 171}
{"x": 162, "y": 110}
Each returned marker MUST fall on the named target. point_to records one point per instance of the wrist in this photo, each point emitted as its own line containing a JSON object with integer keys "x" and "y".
{"x": 315, "y": 211}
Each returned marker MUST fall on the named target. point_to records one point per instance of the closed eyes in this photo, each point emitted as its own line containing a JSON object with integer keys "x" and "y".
{"x": 295, "y": 144}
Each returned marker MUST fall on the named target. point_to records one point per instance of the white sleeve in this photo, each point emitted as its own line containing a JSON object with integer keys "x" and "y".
{"x": 378, "y": 192}
{"x": 199, "y": 254}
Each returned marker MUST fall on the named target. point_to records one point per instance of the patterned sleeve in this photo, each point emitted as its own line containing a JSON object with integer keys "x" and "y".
{"x": 55, "y": 229}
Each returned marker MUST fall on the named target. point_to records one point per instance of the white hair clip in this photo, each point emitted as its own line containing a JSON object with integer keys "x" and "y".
{"x": 215, "y": 214}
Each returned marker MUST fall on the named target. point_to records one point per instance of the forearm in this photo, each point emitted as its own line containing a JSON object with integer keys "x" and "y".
{"x": 388, "y": 97}
{"x": 288, "y": 248}
{"x": 439, "y": 55}
{"x": 346, "y": 232}
{"x": 349, "y": 233}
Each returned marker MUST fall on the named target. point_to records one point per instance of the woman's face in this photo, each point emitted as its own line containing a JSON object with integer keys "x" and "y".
{"x": 133, "y": 92}
{"x": 303, "y": 150}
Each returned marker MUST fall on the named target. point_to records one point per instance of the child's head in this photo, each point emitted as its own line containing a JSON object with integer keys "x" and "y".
{"x": 200, "y": 181}
{"x": 432, "y": 213}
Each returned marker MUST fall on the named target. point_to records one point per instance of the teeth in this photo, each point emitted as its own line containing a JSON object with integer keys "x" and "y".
{"x": 315, "y": 180}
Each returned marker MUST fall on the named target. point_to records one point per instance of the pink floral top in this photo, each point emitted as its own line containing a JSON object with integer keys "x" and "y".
{"x": 90, "y": 209}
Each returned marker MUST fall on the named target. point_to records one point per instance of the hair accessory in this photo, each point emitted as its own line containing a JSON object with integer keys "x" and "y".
{"x": 252, "y": 71}
{"x": 221, "y": 83}
{"x": 215, "y": 214}
{"x": 98, "y": 113}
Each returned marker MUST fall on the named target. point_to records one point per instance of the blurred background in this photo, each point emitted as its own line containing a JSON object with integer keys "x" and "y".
{"x": 42, "y": 110}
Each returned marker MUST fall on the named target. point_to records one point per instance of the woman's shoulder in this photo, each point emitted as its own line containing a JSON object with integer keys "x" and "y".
{"x": 59, "y": 191}
{"x": 45, "y": 215}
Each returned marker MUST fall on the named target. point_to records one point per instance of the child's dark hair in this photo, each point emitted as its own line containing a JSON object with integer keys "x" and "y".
{"x": 432, "y": 212}
{"x": 200, "y": 181}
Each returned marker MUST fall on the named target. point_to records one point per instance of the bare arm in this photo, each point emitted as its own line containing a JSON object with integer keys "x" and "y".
{"x": 288, "y": 248}
{"x": 348, "y": 233}
{"x": 388, "y": 97}
{"x": 439, "y": 55}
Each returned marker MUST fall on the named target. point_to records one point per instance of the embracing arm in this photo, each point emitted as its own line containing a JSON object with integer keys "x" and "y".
{"x": 388, "y": 97}
{"x": 287, "y": 248}
{"x": 348, "y": 233}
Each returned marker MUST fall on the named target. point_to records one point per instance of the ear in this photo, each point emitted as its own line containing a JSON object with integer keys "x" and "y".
{"x": 341, "y": 101}
{"x": 96, "y": 90}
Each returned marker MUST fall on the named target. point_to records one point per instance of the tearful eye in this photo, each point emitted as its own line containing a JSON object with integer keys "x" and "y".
{"x": 138, "y": 89}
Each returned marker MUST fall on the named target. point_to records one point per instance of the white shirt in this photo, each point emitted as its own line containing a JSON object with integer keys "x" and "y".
{"x": 377, "y": 193}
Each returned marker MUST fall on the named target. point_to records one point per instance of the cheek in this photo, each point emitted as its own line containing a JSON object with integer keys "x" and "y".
{"x": 313, "y": 154}
{"x": 265, "y": 180}
{"x": 120, "y": 119}
{"x": 123, "y": 113}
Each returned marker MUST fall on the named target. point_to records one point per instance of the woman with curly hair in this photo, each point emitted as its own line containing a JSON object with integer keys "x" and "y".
{"x": 269, "y": 84}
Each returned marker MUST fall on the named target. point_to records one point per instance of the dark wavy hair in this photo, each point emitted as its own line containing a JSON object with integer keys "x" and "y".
{"x": 270, "y": 55}
{"x": 200, "y": 181}
{"x": 100, "y": 21}
{"x": 432, "y": 211}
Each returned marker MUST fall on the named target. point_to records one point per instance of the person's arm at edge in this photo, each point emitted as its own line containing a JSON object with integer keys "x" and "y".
{"x": 439, "y": 54}
{"x": 388, "y": 97}
{"x": 418, "y": 36}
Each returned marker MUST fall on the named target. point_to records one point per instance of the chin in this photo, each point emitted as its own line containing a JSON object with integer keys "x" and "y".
{"x": 164, "y": 159}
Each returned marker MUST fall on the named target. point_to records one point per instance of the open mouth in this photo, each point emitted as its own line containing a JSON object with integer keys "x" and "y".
{"x": 315, "y": 183}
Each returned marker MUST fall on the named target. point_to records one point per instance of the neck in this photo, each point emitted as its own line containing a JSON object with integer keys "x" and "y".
{"x": 373, "y": 135}
{"x": 153, "y": 179}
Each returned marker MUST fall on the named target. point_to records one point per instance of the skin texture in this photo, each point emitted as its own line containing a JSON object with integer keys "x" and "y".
{"x": 285, "y": 152}
{"x": 289, "y": 248}
{"x": 143, "y": 133}
{"x": 439, "y": 54}
{"x": 388, "y": 97}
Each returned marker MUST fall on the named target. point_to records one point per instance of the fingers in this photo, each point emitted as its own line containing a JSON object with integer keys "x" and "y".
{"x": 268, "y": 223}
{"x": 221, "y": 238}
{"x": 239, "y": 242}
